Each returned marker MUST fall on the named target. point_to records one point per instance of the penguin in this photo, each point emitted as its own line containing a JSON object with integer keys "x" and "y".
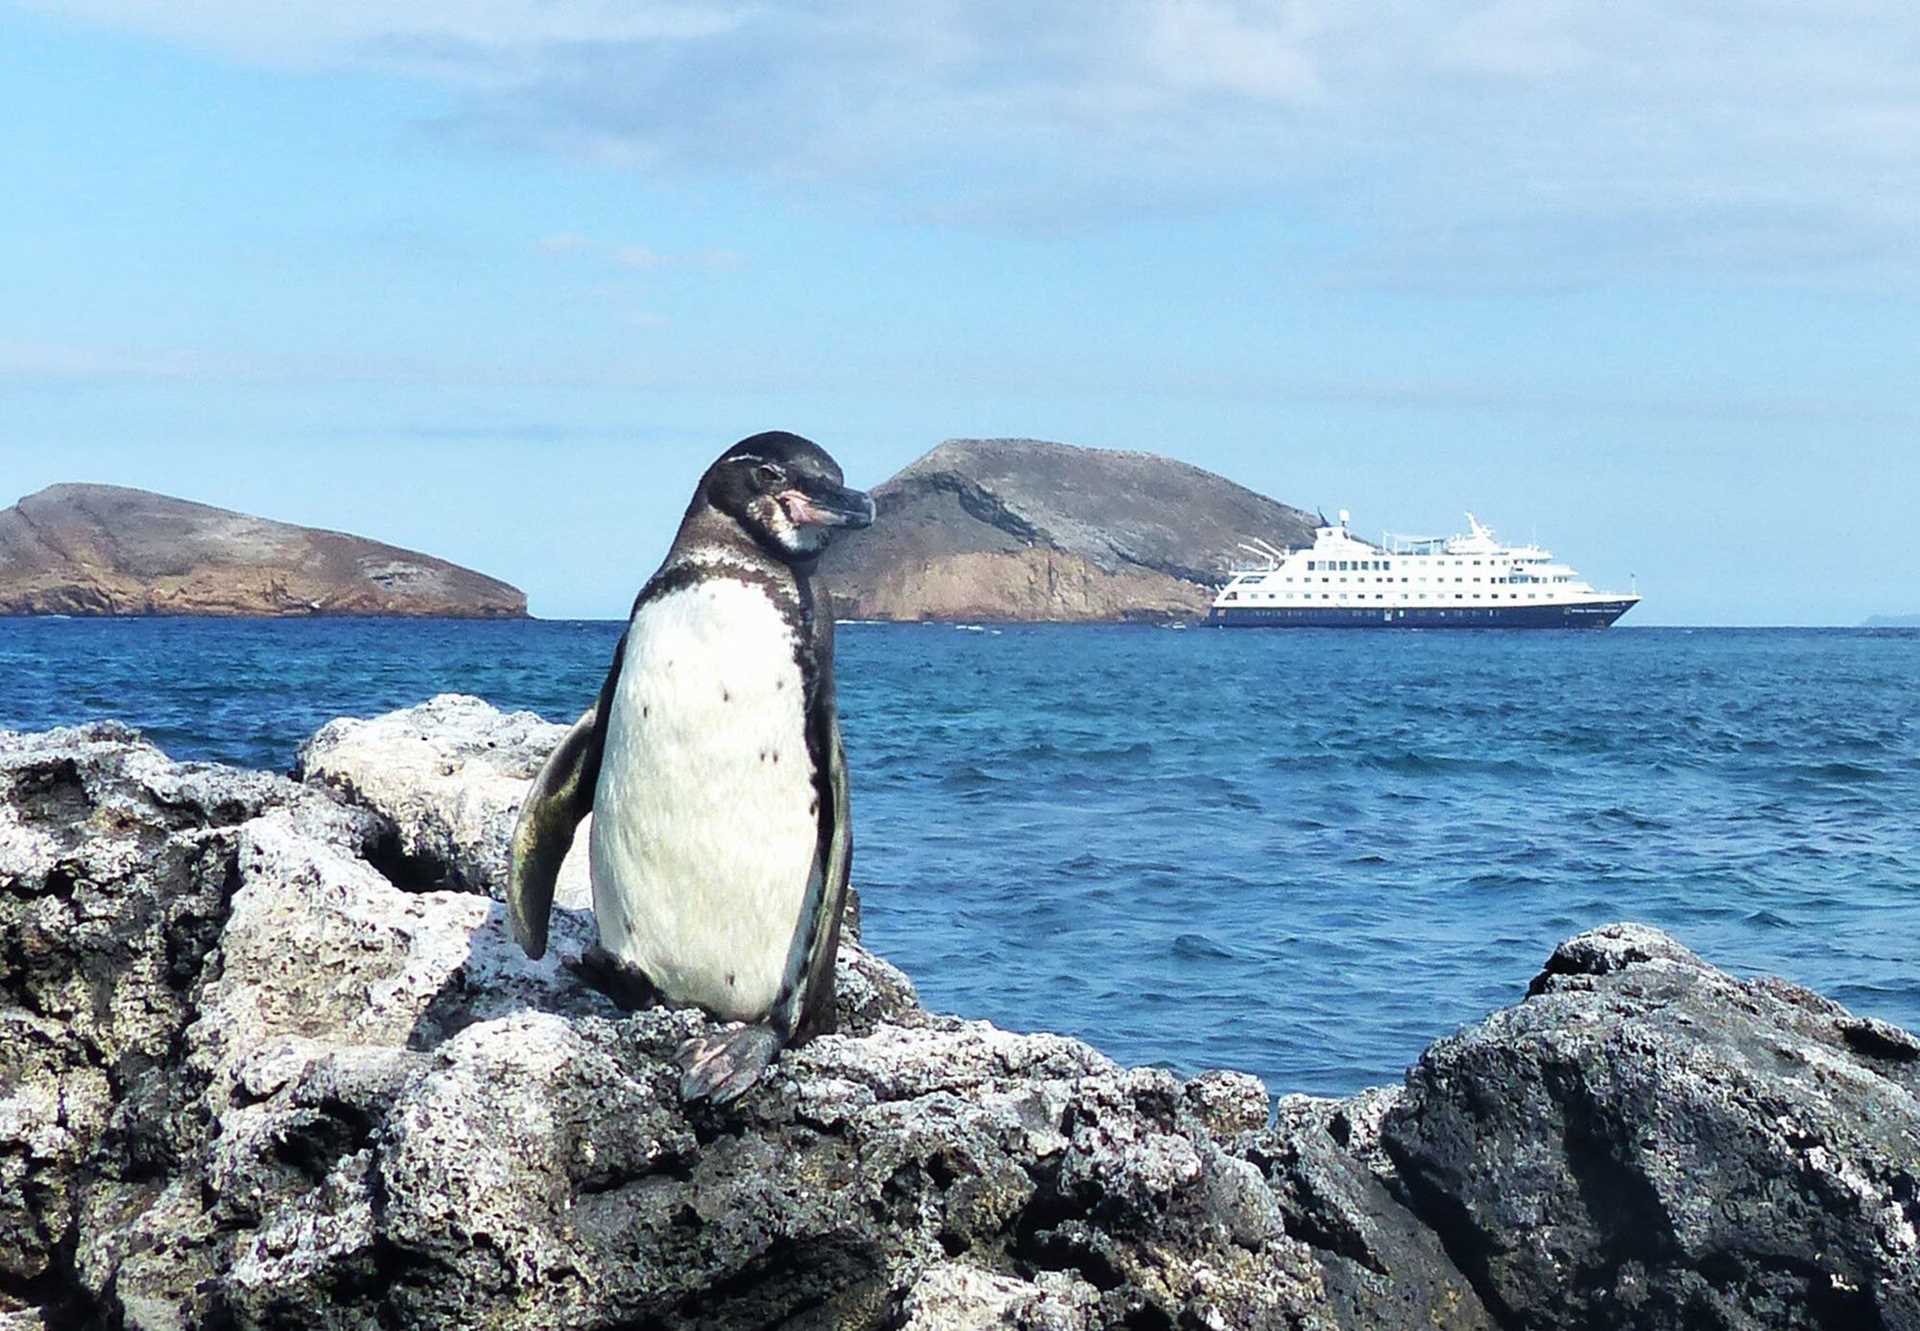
{"x": 712, "y": 763}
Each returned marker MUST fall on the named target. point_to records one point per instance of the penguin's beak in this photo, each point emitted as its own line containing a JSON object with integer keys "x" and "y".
{"x": 823, "y": 504}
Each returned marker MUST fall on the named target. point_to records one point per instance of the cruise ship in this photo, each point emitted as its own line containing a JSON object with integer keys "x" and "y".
{"x": 1412, "y": 582}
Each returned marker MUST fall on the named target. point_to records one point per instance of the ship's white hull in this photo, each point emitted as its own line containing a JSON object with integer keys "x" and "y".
{"x": 1579, "y": 615}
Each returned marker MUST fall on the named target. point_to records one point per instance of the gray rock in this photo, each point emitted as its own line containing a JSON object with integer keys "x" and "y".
{"x": 248, "y": 1079}
{"x": 1338, "y": 1193}
{"x": 1649, "y": 1142}
{"x": 952, "y": 1296}
{"x": 448, "y": 775}
{"x": 116, "y": 867}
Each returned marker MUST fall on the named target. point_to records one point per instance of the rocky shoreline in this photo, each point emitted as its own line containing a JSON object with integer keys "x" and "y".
{"x": 267, "y": 1058}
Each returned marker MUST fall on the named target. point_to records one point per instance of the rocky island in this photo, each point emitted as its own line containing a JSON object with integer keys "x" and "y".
{"x": 268, "y": 1059}
{"x": 109, "y": 550}
{"x": 1021, "y": 529}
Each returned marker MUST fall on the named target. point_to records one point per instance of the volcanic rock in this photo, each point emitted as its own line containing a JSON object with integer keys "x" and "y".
{"x": 1020, "y": 529}
{"x": 1649, "y": 1142}
{"x": 108, "y": 550}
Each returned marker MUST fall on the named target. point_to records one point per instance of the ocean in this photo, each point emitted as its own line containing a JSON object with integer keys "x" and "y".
{"x": 1300, "y": 853}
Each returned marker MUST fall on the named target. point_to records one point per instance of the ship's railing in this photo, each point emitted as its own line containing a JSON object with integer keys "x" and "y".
{"x": 1269, "y": 556}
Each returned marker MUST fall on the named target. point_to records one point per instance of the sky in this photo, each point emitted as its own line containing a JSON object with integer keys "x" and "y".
{"x": 497, "y": 279}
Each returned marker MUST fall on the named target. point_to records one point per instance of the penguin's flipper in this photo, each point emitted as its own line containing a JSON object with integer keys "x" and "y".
{"x": 722, "y": 1066}
{"x": 814, "y": 1014}
{"x": 561, "y": 795}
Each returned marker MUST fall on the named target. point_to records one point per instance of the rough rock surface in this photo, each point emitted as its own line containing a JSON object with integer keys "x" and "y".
{"x": 1647, "y": 1141}
{"x": 254, "y": 1075}
{"x": 1019, "y": 529}
{"x": 109, "y": 550}
{"x": 448, "y": 776}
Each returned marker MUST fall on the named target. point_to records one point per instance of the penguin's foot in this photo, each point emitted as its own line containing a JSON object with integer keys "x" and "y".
{"x": 619, "y": 980}
{"x": 720, "y": 1067}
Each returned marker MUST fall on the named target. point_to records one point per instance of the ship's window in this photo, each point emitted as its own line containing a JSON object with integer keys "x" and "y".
{"x": 1310, "y": 564}
{"x": 1231, "y": 596}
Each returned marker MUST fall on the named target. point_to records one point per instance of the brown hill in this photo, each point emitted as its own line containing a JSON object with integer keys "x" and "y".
{"x": 108, "y": 550}
{"x": 1020, "y": 529}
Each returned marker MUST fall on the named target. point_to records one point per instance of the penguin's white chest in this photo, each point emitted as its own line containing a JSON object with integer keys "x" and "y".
{"x": 705, "y": 819}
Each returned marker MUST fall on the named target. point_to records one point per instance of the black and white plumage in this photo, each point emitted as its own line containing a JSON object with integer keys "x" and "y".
{"x": 713, "y": 766}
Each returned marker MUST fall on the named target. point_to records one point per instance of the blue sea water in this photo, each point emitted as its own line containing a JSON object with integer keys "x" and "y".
{"x": 1301, "y": 853}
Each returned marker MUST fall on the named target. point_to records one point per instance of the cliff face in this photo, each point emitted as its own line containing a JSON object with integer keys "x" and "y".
{"x": 1019, "y": 529}
{"x": 108, "y": 550}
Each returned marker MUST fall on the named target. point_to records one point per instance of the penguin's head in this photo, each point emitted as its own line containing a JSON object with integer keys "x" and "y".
{"x": 785, "y": 492}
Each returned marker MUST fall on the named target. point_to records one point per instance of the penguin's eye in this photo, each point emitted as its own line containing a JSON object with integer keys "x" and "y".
{"x": 769, "y": 474}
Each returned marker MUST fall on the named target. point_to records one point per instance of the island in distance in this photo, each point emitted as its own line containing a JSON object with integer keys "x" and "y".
{"x": 977, "y": 529}
{"x": 110, "y": 550}
{"x": 1021, "y": 529}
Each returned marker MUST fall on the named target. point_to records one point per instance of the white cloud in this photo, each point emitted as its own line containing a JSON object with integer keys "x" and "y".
{"x": 1259, "y": 51}
{"x": 1522, "y": 140}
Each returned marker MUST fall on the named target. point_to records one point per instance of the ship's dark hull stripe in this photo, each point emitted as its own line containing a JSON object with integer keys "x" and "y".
{"x": 1594, "y": 615}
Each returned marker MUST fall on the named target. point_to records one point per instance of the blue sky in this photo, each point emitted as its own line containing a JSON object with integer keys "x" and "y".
{"x": 496, "y": 280}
